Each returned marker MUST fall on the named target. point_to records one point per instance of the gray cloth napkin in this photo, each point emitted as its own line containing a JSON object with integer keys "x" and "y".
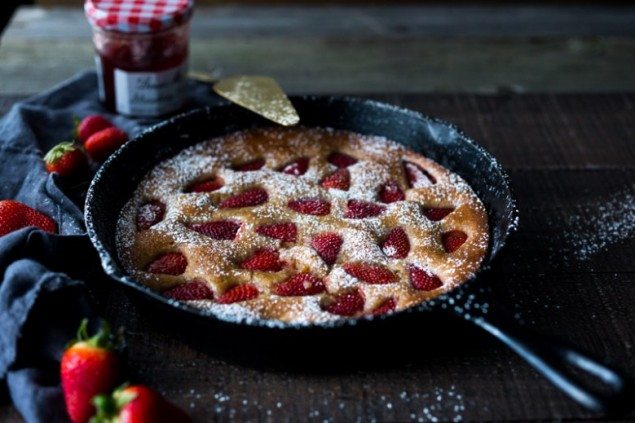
{"x": 42, "y": 296}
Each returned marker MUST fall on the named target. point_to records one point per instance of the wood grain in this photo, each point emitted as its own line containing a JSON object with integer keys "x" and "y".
{"x": 415, "y": 49}
{"x": 572, "y": 165}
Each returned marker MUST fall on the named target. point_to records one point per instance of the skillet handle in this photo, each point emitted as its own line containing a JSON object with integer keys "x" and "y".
{"x": 567, "y": 368}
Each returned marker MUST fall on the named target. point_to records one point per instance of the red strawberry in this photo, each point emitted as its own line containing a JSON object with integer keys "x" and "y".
{"x": 328, "y": 246}
{"x": 417, "y": 176}
{"x": 437, "y": 213}
{"x": 90, "y": 125}
{"x": 452, "y": 240}
{"x": 314, "y": 206}
{"x": 340, "y": 179}
{"x": 284, "y": 231}
{"x": 136, "y": 404}
{"x": 297, "y": 167}
{"x": 248, "y": 166}
{"x": 390, "y": 192}
{"x": 248, "y": 198}
{"x": 189, "y": 291}
{"x": 168, "y": 264}
{"x": 341, "y": 160}
{"x": 387, "y": 306}
{"x": 208, "y": 185}
{"x": 150, "y": 214}
{"x": 358, "y": 209}
{"x": 348, "y": 303}
{"x": 219, "y": 229}
{"x": 90, "y": 366}
{"x": 102, "y": 144}
{"x": 396, "y": 245}
{"x": 264, "y": 260}
{"x": 422, "y": 280}
{"x": 15, "y": 215}
{"x": 301, "y": 284}
{"x": 66, "y": 160}
{"x": 239, "y": 293}
{"x": 375, "y": 274}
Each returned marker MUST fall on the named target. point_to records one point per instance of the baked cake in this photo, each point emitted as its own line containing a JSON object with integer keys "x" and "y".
{"x": 301, "y": 225}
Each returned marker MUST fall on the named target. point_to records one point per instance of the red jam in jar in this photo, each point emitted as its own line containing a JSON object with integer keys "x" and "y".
{"x": 142, "y": 51}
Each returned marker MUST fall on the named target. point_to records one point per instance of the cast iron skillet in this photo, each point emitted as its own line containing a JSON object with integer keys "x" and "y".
{"x": 568, "y": 369}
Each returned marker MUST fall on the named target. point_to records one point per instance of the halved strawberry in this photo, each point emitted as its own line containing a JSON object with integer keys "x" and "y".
{"x": 284, "y": 231}
{"x": 313, "y": 206}
{"x": 218, "y": 229}
{"x": 190, "y": 291}
{"x": 249, "y": 166}
{"x": 168, "y": 264}
{"x": 328, "y": 246}
{"x": 452, "y": 240}
{"x": 341, "y": 160}
{"x": 149, "y": 214}
{"x": 396, "y": 245}
{"x": 347, "y": 303}
{"x": 340, "y": 179}
{"x": 375, "y": 274}
{"x": 297, "y": 167}
{"x": 300, "y": 284}
{"x": 387, "y": 306}
{"x": 358, "y": 209}
{"x": 437, "y": 213}
{"x": 391, "y": 192}
{"x": 423, "y": 280}
{"x": 207, "y": 185}
{"x": 264, "y": 260}
{"x": 417, "y": 176}
{"x": 239, "y": 293}
{"x": 248, "y": 198}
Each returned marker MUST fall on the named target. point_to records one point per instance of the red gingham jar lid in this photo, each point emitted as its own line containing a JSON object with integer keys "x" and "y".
{"x": 137, "y": 16}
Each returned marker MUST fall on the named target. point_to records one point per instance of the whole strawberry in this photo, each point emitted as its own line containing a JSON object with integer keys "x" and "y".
{"x": 90, "y": 366}
{"x": 136, "y": 404}
{"x": 66, "y": 159}
{"x": 15, "y": 215}
{"x": 90, "y": 125}
{"x": 103, "y": 143}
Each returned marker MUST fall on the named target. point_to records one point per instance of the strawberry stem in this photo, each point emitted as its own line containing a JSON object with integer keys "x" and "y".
{"x": 108, "y": 406}
{"x": 106, "y": 409}
{"x": 104, "y": 338}
{"x": 82, "y": 331}
{"x": 123, "y": 396}
{"x": 58, "y": 151}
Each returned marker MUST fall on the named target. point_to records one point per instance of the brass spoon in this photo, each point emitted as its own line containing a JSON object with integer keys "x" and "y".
{"x": 260, "y": 94}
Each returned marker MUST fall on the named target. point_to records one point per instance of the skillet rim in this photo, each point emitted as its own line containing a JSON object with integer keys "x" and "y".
{"x": 113, "y": 270}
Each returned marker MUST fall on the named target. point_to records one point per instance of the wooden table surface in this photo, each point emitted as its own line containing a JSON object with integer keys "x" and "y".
{"x": 569, "y": 273}
{"x": 381, "y": 49}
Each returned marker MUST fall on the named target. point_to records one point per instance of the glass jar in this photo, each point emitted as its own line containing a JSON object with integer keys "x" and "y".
{"x": 141, "y": 64}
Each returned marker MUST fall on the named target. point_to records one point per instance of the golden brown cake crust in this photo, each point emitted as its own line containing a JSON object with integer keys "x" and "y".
{"x": 218, "y": 262}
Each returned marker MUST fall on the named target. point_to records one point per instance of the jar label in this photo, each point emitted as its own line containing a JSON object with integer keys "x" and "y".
{"x": 150, "y": 93}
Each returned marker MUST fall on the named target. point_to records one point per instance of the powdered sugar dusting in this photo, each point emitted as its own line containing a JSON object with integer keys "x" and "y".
{"x": 601, "y": 224}
{"x": 436, "y": 405}
{"x": 217, "y": 262}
